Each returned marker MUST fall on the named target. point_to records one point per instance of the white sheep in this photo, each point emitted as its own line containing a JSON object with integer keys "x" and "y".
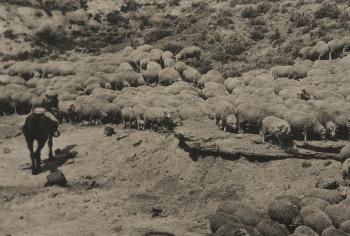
{"x": 129, "y": 116}
{"x": 191, "y": 75}
{"x": 167, "y": 76}
{"x": 189, "y": 52}
{"x": 276, "y": 127}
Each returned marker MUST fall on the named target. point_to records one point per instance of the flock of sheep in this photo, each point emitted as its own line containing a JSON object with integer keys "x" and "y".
{"x": 149, "y": 88}
{"x": 321, "y": 212}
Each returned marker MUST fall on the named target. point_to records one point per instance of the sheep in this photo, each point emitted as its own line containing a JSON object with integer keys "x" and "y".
{"x": 189, "y": 52}
{"x": 88, "y": 111}
{"x": 5, "y": 103}
{"x": 21, "y": 102}
{"x": 213, "y": 89}
{"x": 249, "y": 114}
{"x": 304, "y": 123}
{"x": 210, "y": 76}
{"x": 220, "y": 218}
{"x": 191, "y": 75}
{"x": 341, "y": 119}
{"x": 345, "y": 226}
{"x": 227, "y": 115}
{"x": 169, "y": 62}
{"x": 250, "y": 216}
{"x": 125, "y": 66}
{"x": 277, "y": 110}
{"x": 308, "y": 53}
{"x": 129, "y": 115}
{"x": 23, "y": 69}
{"x": 67, "y": 111}
{"x": 271, "y": 228}
{"x": 283, "y": 211}
{"x": 232, "y": 83}
{"x": 236, "y": 229}
{"x": 304, "y": 231}
{"x": 346, "y": 171}
{"x": 168, "y": 76}
{"x": 322, "y": 49}
{"x": 335, "y": 47}
{"x": 315, "y": 202}
{"x": 277, "y": 127}
{"x": 144, "y": 48}
{"x": 157, "y": 117}
{"x": 315, "y": 219}
{"x": 281, "y": 71}
{"x": 338, "y": 213}
{"x": 332, "y": 231}
{"x": 156, "y": 55}
{"x": 180, "y": 67}
{"x": 331, "y": 196}
{"x": 151, "y": 74}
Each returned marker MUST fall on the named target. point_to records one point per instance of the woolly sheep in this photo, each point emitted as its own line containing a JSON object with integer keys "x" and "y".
{"x": 169, "y": 62}
{"x": 213, "y": 89}
{"x": 335, "y": 47}
{"x": 210, "y": 76}
{"x": 283, "y": 211}
{"x": 167, "y": 76}
{"x": 332, "y": 231}
{"x": 236, "y": 229}
{"x": 276, "y": 127}
{"x": 180, "y": 67}
{"x": 250, "y": 216}
{"x": 129, "y": 115}
{"x": 308, "y": 53}
{"x": 226, "y": 114}
{"x": 305, "y": 231}
{"x": 232, "y": 83}
{"x": 125, "y": 66}
{"x": 331, "y": 196}
{"x": 220, "y": 218}
{"x": 338, "y": 213}
{"x": 90, "y": 112}
{"x": 157, "y": 117}
{"x": 346, "y": 171}
{"x": 249, "y": 114}
{"x": 304, "y": 123}
{"x": 144, "y": 48}
{"x": 189, "y": 52}
{"x": 345, "y": 226}
{"x": 315, "y": 202}
{"x": 281, "y": 71}
{"x": 271, "y": 228}
{"x": 21, "y": 102}
{"x": 315, "y": 219}
{"x": 151, "y": 74}
{"x": 322, "y": 49}
{"x": 191, "y": 75}
{"x": 341, "y": 119}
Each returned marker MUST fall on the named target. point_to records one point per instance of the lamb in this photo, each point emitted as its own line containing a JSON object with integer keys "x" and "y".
{"x": 304, "y": 123}
{"x": 276, "y": 127}
{"x": 191, "y": 75}
{"x": 129, "y": 115}
{"x": 189, "y": 52}
{"x": 281, "y": 71}
{"x": 168, "y": 76}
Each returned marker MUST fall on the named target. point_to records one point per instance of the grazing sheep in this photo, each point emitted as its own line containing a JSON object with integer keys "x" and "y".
{"x": 89, "y": 112}
{"x": 168, "y": 76}
{"x": 308, "y": 53}
{"x": 331, "y": 196}
{"x": 251, "y": 115}
{"x": 271, "y": 228}
{"x": 220, "y": 218}
{"x": 276, "y": 127}
{"x": 180, "y": 67}
{"x": 157, "y": 117}
{"x": 346, "y": 171}
{"x": 228, "y": 118}
{"x": 21, "y": 102}
{"x": 332, "y": 231}
{"x": 129, "y": 116}
{"x": 189, "y": 52}
{"x": 144, "y": 48}
{"x": 338, "y": 213}
{"x": 277, "y": 110}
{"x": 341, "y": 119}
{"x": 191, "y": 75}
{"x": 335, "y": 47}
{"x": 236, "y": 229}
{"x": 315, "y": 219}
{"x": 304, "y": 231}
{"x": 304, "y": 123}
{"x": 232, "y": 83}
{"x": 322, "y": 49}
{"x": 169, "y": 62}
{"x": 345, "y": 226}
{"x": 213, "y": 89}
{"x": 151, "y": 74}
{"x": 281, "y": 71}
{"x": 315, "y": 202}
{"x": 283, "y": 211}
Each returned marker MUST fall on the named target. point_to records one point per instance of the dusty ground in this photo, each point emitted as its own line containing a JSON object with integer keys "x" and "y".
{"x": 114, "y": 184}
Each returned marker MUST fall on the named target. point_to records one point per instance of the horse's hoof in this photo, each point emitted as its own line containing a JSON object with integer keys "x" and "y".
{"x": 35, "y": 172}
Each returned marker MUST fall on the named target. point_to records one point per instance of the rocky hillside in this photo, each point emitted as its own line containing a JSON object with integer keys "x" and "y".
{"x": 237, "y": 35}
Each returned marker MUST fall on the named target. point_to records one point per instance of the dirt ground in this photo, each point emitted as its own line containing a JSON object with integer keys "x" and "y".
{"x": 142, "y": 182}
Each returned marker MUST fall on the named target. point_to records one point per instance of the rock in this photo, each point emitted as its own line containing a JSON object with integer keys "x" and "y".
{"x": 156, "y": 211}
{"x": 7, "y": 150}
{"x": 109, "y": 131}
{"x": 137, "y": 143}
{"x": 56, "y": 178}
{"x": 306, "y": 164}
{"x": 327, "y": 163}
{"x": 327, "y": 183}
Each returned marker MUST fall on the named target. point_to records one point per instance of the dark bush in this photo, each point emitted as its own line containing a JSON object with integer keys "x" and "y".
{"x": 130, "y": 5}
{"x": 258, "y": 33}
{"x": 203, "y": 65}
{"x": 249, "y": 12}
{"x": 145, "y": 22}
{"x": 59, "y": 5}
{"x": 263, "y": 7}
{"x": 234, "y": 45}
{"x": 172, "y": 46}
{"x": 174, "y": 2}
{"x": 257, "y": 21}
{"x": 115, "y": 18}
{"x": 301, "y": 19}
{"x": 9, "y": 34}
{"x": 230, "y": 71}
{"x": 156, "y": 35}
{"x": 328, "y": 9}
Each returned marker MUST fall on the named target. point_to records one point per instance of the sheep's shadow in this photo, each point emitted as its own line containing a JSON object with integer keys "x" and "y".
{"x": 59, "y": 159}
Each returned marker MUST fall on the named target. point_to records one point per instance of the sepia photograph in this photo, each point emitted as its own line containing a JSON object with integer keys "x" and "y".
{"x": 174, "y": 117}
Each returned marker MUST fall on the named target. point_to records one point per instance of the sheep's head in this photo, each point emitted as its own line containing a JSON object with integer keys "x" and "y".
{"x": 323, "y": 132}
{"x": 284, "y": 130}
{"x": 331, "y": 129}
{"x": 231, "y": 121}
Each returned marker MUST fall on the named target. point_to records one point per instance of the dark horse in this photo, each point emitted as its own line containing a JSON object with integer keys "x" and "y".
{"x": 41, "y": 125}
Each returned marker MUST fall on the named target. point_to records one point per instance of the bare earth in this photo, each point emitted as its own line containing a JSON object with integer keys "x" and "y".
{"x": 116, "y": 187}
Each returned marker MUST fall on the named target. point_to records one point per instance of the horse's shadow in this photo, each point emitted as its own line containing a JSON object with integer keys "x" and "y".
{"x": 59, "y": 159}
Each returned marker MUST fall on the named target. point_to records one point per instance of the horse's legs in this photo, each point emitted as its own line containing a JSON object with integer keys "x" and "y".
{"x": 37, "y": 159}
{"x": 30, "y": 142}
{"x": 50, "y": 144}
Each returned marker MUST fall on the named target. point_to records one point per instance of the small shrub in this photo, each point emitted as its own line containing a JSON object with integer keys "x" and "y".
{"x": 115, "y": 18}
{"x": 249, "y": 12}
{"x": 328, "y": 9}
{"x": 230, "y": 71}
{"x": 156, "y": 35}
{"x": 263, "y": 7}
{"x": 130, "y": 5}
{"x": 9, "y": 34}
{"x": 234, "y": 45}
{"x": 174, "y": 3}
{"x": 203, "y": 65}
{"x": 257, "y": 34}
{"x": 257, "y": 21}
{"x": 301, "y": 19}
{"x": 145, "y": 22}
{"x": 53, "y": 36}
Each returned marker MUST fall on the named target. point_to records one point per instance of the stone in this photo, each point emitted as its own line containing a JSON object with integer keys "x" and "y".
{"x": 56, "y": 178}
